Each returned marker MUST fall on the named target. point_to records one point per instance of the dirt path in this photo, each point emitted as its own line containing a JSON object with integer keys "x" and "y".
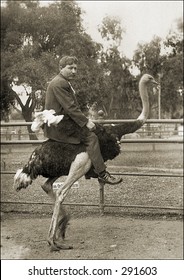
{"x": 94, "y": 237}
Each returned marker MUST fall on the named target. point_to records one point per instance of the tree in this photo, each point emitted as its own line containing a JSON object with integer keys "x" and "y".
{"x": 33, "y": 40}
{"x": 148, "y": 59}
{"x": 172, "y": 73}
{"x": 119, "y": 94}
{"x": 7, "y": 100}
{"x": 163, "y": 59}
{"x": 22, "y": 60}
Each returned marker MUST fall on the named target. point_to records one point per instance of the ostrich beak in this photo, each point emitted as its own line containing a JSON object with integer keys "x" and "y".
{"x": 155, "y": 82}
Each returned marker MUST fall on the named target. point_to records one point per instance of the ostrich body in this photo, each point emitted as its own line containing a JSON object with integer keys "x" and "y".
{"x": 55, "y": 159}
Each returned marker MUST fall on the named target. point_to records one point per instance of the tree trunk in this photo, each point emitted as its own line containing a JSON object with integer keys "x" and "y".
{"x": 27, "y": 114}
{"x": 27, "y": 110}
{"x": 32, "y": 135}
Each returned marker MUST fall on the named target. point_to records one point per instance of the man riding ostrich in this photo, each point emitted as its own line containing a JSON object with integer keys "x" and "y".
{"x": 76, "y": 146}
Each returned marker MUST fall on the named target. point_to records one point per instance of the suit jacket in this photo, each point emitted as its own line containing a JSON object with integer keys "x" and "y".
{"x": 61, "y": 97}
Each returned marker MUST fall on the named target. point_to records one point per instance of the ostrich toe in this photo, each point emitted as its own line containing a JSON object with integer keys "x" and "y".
{"x": 57, "y": 246}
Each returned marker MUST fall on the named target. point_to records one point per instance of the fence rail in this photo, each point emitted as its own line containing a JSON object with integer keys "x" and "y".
{"x": 96, "y": 205}
{"x": 122, "y": 141}
{"x": 126, "y": 174}
{"x": 102, "y": 204}
{"x": 175, "y": 121}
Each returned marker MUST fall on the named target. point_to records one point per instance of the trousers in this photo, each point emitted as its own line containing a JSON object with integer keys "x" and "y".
{"x": 93, "y": 150}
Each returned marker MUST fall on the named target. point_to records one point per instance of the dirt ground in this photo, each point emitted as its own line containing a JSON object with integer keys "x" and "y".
{"x": 111, "y": 236}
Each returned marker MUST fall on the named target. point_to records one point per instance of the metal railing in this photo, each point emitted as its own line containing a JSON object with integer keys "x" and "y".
{"x": 102, "y": 204}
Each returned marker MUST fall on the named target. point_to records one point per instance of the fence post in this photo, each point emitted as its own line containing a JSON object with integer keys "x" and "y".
{"x": 3, "y": 165}
{"x": 101, "y": 197}
{"x": 9, "y": 138}
{"x": 153, "y": 145}
{"x": 8, "y": 134}
{"x": 19, "y": 134}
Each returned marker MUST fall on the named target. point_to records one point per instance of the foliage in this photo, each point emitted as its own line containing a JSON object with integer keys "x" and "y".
{"x": 33, "y": 39}
{"x": 163, "y": 60}
{"x": 120, "y": 95}
{"x": 7, "y": 100}
{"x": 147, "y": 57}
{"x": 172, "y": 76}
{"x": 111, "y": 29}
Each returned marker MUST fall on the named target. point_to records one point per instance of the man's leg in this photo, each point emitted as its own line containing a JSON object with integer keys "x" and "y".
{"x": 93, "y": 149}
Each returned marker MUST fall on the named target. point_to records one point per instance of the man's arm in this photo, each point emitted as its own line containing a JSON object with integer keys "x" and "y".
{"x": 66, "y": 100}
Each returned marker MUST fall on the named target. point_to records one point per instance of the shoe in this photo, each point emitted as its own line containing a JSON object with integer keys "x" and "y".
{"x": 106, "y": 178}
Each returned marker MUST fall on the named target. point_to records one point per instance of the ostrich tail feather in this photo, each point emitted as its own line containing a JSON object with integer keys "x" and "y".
{"x": 21, "y": 180}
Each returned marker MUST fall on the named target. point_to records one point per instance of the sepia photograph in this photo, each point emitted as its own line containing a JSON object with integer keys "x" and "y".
{"x": 92, "y": 135}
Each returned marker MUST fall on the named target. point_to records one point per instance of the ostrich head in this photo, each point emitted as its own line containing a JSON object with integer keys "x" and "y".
{"x": 21, "y": 180}
{"x": 146, "y": 78}
{"x": 144, "y": 82}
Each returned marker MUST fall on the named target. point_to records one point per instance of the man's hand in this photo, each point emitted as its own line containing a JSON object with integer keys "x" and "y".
{"x": 90, "y": 125}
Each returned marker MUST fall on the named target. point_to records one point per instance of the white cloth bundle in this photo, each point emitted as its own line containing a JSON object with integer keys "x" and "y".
{"x": 46, "y": 116}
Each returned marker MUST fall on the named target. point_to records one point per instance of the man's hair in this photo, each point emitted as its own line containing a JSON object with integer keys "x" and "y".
{"x": 67, "y": 60}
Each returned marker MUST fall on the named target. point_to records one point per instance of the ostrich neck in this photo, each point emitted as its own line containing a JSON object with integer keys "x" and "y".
{"x": 145, "y": 102}
{"x": 132, "y": 126}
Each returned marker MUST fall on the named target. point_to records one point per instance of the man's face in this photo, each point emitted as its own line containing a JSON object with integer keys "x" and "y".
{"x": 69, "y": 71}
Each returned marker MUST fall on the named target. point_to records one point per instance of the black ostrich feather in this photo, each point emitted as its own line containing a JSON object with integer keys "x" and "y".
{"x": 53, "y": 159}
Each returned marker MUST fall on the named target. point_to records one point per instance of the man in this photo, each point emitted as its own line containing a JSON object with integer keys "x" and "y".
{"x": 60, "y": 96}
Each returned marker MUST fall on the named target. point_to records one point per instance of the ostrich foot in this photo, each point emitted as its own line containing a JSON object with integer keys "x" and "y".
{"x": 55, "y": 242}
{"x": 57, "y": 246}
{"x": 62, "y": 225}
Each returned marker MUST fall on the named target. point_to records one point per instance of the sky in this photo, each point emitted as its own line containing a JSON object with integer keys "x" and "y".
{"x": 141, "y": 19}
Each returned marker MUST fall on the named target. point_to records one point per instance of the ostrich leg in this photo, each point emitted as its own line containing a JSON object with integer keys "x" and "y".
{"x": 79, "y": 167}
{"x": 64, "y": 218}
{"x": 48, "y": 188}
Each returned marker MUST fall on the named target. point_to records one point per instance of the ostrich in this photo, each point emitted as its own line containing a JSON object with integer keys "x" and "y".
{"x": 54, "y": 159}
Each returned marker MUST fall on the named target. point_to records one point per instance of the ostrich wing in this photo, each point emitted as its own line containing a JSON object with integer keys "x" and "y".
{"x": 53, "y": 159}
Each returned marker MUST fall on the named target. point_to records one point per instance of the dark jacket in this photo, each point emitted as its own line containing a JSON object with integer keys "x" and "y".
{"x": 61, "y": 97}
